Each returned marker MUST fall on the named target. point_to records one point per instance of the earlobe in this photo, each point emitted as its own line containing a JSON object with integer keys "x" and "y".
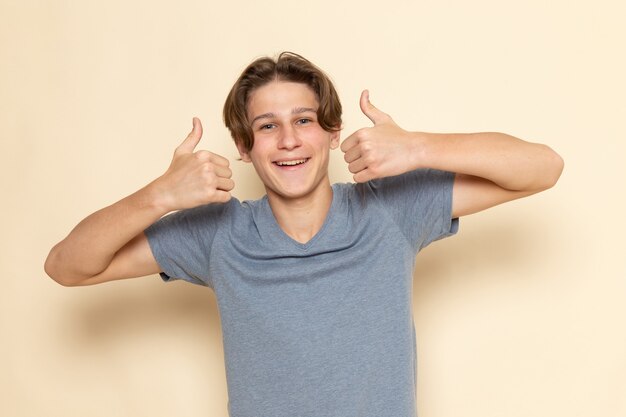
{"x": 243, "y": 153}
{"x": 334, "y": 140}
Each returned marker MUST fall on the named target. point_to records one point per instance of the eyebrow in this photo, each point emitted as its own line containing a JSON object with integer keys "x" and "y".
{"x": 297, "y": 110}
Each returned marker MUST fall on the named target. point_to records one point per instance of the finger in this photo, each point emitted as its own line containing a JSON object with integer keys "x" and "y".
{"x": 352, "y": 154}
{"x": 191, "y": 141}
{"x": 222, "y": 172}
{"x": 357, "y": 166}
{"x": 368, "y": 109}
{"x": 214, "y": 158}
{"x": 348, "y": 143}
{"x": 225, "y": 184}
{"x": 221, "y": 196}
{"x": 219, "y": 160}
{"x": 362, "y": 176}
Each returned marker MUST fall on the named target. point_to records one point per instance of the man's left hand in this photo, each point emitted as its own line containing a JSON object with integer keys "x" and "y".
{"x": 382, "y": 150}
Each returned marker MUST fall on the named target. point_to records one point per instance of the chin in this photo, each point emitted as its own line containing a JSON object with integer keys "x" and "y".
{"x": 289, "y": 194}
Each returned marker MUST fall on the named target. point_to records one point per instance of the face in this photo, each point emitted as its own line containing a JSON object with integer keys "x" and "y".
{"x": 291, "y": 150}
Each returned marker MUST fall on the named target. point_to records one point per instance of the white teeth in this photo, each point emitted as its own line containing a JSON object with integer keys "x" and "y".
{"x": 291, "y": 163}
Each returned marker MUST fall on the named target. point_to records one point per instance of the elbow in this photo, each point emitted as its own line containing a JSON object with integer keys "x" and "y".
{"x": 53, "y": 270}
{"x": 554, "y": 168}
{"x": 547, "y": 170}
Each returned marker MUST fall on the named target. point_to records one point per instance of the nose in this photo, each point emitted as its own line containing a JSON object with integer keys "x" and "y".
{"x": 288, "y": 138}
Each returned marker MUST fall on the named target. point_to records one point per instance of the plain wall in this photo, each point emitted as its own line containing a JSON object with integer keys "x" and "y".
{"x": 520, "y": 314}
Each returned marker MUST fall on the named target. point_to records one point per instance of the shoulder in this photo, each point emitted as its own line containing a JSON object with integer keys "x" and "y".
{"x": 196, "y": 219}
{"x": 414, "y": 182}
{"x": 416, "y": 178}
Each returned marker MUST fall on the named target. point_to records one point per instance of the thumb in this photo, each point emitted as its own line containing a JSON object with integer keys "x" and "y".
{"x": 191, "y": 141}
{"x": 368, "y": 109}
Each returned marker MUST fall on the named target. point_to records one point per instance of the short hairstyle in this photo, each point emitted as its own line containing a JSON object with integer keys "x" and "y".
{"x": 288, "y": 67}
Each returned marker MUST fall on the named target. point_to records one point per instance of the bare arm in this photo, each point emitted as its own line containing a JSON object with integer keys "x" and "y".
{"x": 110, "y": 243}
{"x": 491, "y": 168}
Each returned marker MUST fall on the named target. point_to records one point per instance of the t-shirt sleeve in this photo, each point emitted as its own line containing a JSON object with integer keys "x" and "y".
{"x": 181, "y": 242}
{"x": 420, "y": 203}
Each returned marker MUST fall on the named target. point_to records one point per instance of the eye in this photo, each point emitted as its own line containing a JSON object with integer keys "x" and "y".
{"x": 266, "y": 126}
{"x": 304, "y": 121}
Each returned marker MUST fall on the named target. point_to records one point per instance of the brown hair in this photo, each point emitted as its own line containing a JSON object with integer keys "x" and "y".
{"x": 289, "y": 67}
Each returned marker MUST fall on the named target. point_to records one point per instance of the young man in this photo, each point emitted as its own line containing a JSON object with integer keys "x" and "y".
{"x": 313, "y": 281}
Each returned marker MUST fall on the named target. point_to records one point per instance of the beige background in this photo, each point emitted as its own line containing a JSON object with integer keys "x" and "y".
{"x": 521, "y": 314}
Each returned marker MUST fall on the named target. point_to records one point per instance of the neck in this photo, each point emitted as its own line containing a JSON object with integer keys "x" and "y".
{"x": 301, "y": 218}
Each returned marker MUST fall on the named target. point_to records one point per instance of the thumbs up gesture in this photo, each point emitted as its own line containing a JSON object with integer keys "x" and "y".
{"x": 382, "y": 150}
{"x": 194, "y": 177}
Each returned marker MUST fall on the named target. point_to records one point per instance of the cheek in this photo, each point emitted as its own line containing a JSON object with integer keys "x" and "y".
{"x": 320, "y": 138}
{"x": 259, "y": 149}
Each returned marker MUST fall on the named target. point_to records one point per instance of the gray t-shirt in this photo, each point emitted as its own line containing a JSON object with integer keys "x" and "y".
{"x": 323, "y": 328}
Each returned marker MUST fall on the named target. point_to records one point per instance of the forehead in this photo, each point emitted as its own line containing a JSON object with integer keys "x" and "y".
{"x": 280, "y": 97}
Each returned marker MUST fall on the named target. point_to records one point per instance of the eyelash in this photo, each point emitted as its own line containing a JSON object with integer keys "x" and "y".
{"x": 270, "y": 125}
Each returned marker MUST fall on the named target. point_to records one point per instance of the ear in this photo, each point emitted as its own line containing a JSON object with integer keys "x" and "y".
{"x": 243, "y": 152}
{"x": 334, "y": 139}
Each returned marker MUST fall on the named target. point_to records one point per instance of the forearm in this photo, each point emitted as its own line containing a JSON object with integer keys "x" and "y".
{"x": 110, "y": 244}
{"x": 92, "y": 244}
{"x": 511, "y": 163}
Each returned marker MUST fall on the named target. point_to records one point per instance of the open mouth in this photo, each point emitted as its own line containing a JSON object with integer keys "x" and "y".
{"x": 291, "y": 163}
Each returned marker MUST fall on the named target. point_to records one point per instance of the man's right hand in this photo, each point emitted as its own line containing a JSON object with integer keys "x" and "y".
{"x": 110, "y": 244}
{"x": 194, "y": 177}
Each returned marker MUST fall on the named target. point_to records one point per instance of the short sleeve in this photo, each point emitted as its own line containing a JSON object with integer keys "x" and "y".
{"x": 181, "y": 242}
{"x": 420, "y": 203}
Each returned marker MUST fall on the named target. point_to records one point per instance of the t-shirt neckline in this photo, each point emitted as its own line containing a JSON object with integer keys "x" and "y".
{"x": 280, "y": 233}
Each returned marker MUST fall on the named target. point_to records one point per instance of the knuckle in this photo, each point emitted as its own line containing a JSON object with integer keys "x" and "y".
{"x": 201, "y": 155}
{"x": 207, "y": 173}
{"x": 361, "y": 134}
{"x": 205, "y": 168}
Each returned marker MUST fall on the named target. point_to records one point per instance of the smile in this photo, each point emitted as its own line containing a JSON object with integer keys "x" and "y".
{"x": 292, "y": 162}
